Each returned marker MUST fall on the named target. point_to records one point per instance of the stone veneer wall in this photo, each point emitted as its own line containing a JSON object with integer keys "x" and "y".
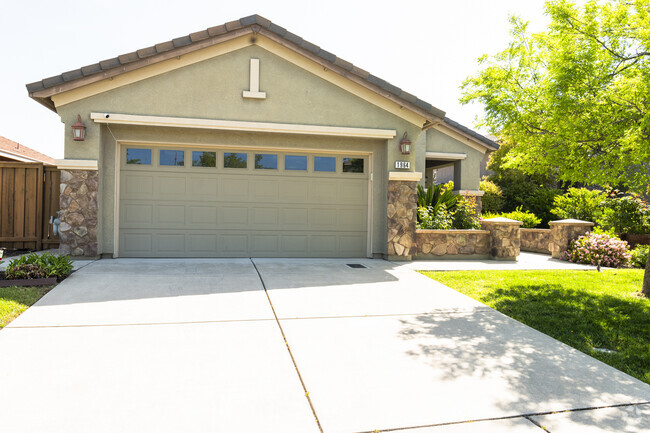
{"x": 402, "y": 217}
{"x": 78, "y": 229}
{"x": 535, "y": 240}
{"x": 505, "y": 239}
{"x": 565, "y": 231}
{"x": 436, "y": 243}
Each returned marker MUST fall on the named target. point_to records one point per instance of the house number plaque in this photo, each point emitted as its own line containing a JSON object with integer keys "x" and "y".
{"x": 402, "y": 164}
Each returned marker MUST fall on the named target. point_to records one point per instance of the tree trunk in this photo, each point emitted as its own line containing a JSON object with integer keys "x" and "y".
{"x": 646, "y": 279}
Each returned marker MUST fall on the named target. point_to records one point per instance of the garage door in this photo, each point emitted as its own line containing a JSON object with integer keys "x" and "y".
{"x": 193, "y": 202}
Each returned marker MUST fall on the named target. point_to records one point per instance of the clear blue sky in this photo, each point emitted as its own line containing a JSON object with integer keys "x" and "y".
{"x": 425, "y": 47}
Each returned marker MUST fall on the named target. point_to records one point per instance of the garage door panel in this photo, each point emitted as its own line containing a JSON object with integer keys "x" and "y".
{"x": 213, "y": 212}
{"x": 170, "y": 243}
{"x": 134, "y": 214}
{"x": 199, "y": 216}
{"x": 170, "y": 187}
{"x": 294, "y": 217}
{"x": 138, "y": 184}
{"x": 264, "y": 245}
{"x": 234, "y": 189}
{"x": 170, "y": 215}
{"x": 294, "y": 191}
{"x": 234, "y": 244}
{"x": 266, "y": 190}
{"x": 232, "y": 216}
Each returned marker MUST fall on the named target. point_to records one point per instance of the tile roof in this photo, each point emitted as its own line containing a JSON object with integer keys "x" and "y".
{"x": 257, "y": 24}
{"x": 483, "y": 139}
{"x": 11, "y": 147}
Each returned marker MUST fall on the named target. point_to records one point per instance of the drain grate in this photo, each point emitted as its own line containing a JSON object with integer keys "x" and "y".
{"x": 356, "y": 266}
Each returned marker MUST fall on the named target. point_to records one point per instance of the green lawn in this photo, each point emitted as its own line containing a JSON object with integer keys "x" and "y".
{"x": 15, "y": 300}
{"x": 584, "y": 309}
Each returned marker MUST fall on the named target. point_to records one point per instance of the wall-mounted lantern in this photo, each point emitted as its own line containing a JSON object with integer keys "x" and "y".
{"x": 405, "y": 144}
{"x": 78, "y": 130}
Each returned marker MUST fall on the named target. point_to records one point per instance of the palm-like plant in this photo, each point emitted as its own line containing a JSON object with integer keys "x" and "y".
{"x": 436, "y": 196}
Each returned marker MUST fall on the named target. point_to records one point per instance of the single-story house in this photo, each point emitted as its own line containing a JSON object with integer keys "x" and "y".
{"x": 10, "y": 151}
{"x": 244, "y": 140}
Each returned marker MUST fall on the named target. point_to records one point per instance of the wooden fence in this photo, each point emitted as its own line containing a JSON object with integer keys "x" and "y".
{"x": 29, "y": 195}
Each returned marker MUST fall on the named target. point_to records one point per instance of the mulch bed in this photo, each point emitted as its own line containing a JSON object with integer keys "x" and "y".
{"x": 4, "y": 282}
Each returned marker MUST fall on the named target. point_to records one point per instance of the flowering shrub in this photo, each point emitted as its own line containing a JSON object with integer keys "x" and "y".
{"x": 599, "y": 250}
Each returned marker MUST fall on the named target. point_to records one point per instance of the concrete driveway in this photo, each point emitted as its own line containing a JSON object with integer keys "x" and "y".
{"x": 278, "y": 345}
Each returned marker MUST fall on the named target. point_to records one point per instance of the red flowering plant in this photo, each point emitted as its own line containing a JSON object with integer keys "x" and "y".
{"x": 599, "y": 250}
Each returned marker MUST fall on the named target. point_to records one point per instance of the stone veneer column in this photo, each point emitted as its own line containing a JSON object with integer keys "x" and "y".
{"x": 565, "y": 231}
{"x": 402, "y": 215}
{"x": 504, "y": 237}
{"x": 78, "y": 229}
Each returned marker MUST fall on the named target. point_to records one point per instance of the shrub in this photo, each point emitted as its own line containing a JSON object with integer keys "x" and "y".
{"x": 579, "y": 203}
{"x": 464, "y": 217}
{"x": 528, "y": 219}
{"x": 492, "y": 200}
{"x": 599, "y": 250}
{"x": 625, "y": 214}
{"x": 39, "y": 266}
{"x": 436, "y": 196}
{"x": 432, "y": 219}
{"x": 640, "y": 256}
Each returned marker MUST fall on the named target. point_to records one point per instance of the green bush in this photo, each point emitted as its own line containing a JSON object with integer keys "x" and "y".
{"x": 492, "y": 200}
{"x": 464, "y": 217}
{"x": 625, "y": 214}
{"x": 640, "y": 256}
{"x": 528, "y": 219}
{"x": 434, "y": 219}
{"x": 39, "y": 266}
{"x": 579, "y": 203}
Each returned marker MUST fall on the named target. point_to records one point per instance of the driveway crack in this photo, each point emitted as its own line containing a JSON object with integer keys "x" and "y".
{"x": 302, "y": 382}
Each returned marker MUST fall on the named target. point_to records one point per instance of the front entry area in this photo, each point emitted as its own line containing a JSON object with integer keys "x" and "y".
{"x": 182, "y": 201}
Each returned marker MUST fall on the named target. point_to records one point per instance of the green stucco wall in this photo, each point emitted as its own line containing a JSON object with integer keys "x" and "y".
{"x": 467, "y": 172}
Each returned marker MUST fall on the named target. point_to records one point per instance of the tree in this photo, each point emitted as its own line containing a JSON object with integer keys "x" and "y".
{"x": 574, "y": 100}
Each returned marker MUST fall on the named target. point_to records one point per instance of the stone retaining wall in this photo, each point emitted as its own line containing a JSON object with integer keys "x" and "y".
{"x": 535, "y": 240}
{"x": 438, "y": 243}
{"x": 78, "y": 229}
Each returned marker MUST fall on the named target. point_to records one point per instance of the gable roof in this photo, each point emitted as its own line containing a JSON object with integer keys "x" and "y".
{"x": 42, "y": 90}
{"x": 12, "y": 150}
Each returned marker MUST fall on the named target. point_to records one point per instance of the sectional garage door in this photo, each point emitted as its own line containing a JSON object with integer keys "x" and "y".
{"x": 187, "y": 202}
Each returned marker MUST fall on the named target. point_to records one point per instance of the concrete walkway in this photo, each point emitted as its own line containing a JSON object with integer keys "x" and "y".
{"x": 299, "y": 345}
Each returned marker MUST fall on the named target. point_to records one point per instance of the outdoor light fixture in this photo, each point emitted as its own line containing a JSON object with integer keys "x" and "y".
{"x": 405, "y": 144}
{"x": 78, "y": 130}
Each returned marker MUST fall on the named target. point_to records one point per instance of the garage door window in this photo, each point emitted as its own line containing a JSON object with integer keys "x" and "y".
{"x": 266, "y": 161}
{"x": 175, "y": 158}
{"x": 204, "y": 159}
{"x": 352, "y": 165}
{"x": 325, "y": 163}
{"x": 235, "y": 160}
{"x": 138, "y": 156}
{"x": 295, "y": 162}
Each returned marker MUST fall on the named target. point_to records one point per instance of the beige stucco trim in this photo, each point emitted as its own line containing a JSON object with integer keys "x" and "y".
{"x": 407, "y": 176}
{"x": 463, "y": 138}
{"x": 446, "y": 156}
{"x": 236, "y": 125}
{"x": 473, "y": 192}
{"x": 76, "y": 164}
